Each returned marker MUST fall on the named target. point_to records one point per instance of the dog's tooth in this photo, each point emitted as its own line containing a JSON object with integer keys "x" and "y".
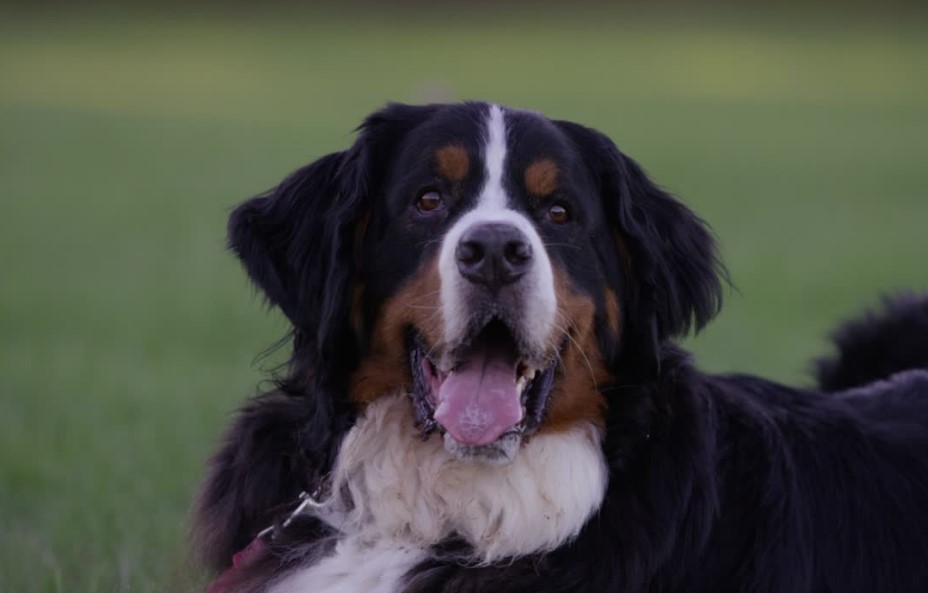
{"x": 528, "y": 374}
{"x": 520, "y": 384}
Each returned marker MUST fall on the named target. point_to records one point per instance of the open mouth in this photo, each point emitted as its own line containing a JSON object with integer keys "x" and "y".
{"x": 485, "y": 397}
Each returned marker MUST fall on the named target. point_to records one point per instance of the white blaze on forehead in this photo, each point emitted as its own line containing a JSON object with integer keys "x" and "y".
{"x": 493, "y": 194}
{"x": 493, "y": 205}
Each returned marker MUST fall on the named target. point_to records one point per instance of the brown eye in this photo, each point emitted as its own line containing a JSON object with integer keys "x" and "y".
{"x": 429, "y": 201}
{"x": 558, "y": 214}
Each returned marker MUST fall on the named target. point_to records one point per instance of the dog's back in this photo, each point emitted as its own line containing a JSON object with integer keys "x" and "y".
{"x": 835, "y": 482}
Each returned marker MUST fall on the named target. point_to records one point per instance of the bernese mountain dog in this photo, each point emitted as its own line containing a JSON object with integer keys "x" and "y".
{"x": 484, "y": 393}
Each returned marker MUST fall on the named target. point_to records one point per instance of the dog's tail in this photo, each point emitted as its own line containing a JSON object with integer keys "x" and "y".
{"x": 878, "y": 344}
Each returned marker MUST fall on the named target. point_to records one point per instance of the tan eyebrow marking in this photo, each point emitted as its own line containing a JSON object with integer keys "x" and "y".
{"x": 452, "y": 162}
{"x": 541, "y": 177}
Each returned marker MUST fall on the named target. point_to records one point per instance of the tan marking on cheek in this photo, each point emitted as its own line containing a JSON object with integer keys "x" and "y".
{"x": 622, "y": 248}
{"x": 360, "y": 232}
{"x": 575, "y": 397}
{"x": 612, "y": 311}
{"x": 356, "y": 317}
{"x": 541, "y": 177}
{"x": 385, "y": 368}
{"x": 452, "y": 162}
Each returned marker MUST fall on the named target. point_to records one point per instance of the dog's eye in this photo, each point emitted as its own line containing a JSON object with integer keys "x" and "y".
{"x": 429, "y": 201}
{"x": 558, "y": 214}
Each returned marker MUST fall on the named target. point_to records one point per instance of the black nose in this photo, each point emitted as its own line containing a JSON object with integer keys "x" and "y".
{"x": 493, "y": 254}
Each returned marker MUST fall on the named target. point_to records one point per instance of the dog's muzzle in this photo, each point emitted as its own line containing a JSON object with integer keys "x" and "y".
{"x": 487, "y": 385}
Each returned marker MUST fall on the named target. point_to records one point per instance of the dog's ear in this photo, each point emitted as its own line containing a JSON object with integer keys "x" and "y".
{"x": 298, "y": 243}
{"x": 287, "y": 237}
{"x": 298, "y": 240}
{"x": 676, "y": 275}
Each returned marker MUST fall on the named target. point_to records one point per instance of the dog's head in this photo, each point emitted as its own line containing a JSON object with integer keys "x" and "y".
{"x": 499, "y": 267}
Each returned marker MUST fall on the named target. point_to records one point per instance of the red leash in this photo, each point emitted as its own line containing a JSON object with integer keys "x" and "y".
{"x": 256, "y": 550}
{"x": 241, "y": 560}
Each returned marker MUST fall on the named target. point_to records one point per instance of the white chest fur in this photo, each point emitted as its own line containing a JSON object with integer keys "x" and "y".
{"x": 408, "y": 494}
{"x": 354, "y": 567}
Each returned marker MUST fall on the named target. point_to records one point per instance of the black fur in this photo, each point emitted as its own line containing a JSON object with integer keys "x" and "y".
{"x": 262, "y": 465}
{"x": 878, "y": 345}
{"x": 717, "y": 483}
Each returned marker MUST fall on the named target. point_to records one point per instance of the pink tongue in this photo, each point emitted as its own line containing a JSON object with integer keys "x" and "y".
{"x": 478, "y": 402}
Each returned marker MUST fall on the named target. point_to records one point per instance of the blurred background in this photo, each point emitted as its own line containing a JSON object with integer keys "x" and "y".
{"x": 128, "y": 335}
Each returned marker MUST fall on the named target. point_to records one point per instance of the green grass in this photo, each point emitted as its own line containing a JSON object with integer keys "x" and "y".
{"x": 127, "y": 334}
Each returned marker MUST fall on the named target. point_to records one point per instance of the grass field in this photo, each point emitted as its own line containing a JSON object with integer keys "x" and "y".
{"x": 128, "y": 335}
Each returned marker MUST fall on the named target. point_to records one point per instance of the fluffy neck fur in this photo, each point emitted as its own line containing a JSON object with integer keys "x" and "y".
{"x": 389, "y": 484}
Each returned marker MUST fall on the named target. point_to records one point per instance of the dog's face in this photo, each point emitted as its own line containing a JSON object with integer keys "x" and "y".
{"x": 501, "y": 268}
{"x": 481, "y": 263}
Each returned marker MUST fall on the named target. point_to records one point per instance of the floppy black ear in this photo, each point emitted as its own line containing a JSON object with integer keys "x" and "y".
{"x": 673, "y": 254}
{"x": 297, "y": 241}
{"x": 676, "y": 275}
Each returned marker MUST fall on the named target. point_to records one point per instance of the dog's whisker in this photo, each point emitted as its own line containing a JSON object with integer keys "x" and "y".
{"x": 589, "y": 365}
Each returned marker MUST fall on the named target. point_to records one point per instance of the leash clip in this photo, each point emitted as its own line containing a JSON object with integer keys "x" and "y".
{"x": 307, "y": 501}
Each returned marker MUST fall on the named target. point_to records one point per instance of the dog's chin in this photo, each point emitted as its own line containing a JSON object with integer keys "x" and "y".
{"x": 485, "y": 397}
{"x": 500, "y": 452}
